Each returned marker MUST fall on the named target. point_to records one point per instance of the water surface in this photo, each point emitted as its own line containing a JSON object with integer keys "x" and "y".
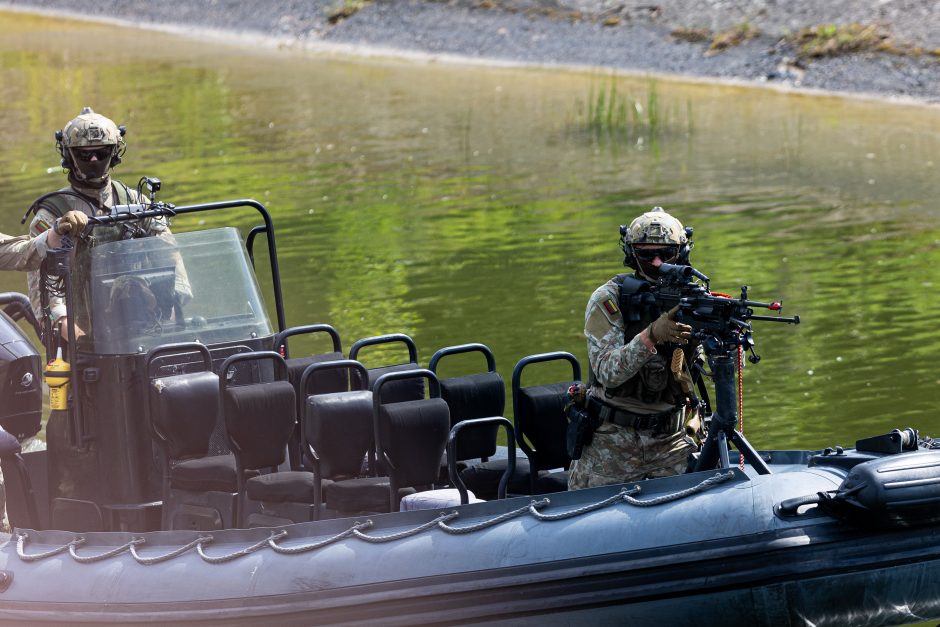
{"x": 461, "y": 204}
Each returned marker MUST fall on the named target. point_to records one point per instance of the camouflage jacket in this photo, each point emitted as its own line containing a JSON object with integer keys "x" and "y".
{"x": 21, "y": 252}
{"x": 612, "y": 360}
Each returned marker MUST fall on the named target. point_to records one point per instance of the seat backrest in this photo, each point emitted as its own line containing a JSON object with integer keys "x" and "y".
{"x": 259, "y": 417}
{"x": 398, "y": 391}
{"x": 183, "y": 411}
{"x": 479, "y": 395}
{"x": 338, "y": 426}
{"x": 411, "y": 436}
{"x": 21, "y": 504}
{"x": 326, "y": 381}
{"x": 406, "y": 389}
{"x": 184, "y": 407}
{"x": 538, "y": 414}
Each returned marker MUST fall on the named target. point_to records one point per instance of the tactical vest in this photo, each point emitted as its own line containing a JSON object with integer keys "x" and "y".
{"x": 654, "y": 381}
{"x": 57, "y": 203}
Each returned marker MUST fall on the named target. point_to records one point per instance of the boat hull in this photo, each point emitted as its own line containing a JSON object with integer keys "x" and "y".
{"x": 721, "y": 556}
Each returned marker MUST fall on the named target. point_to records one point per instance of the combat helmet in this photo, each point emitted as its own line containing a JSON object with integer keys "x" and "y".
{"x": 90, "y": 145}
{"x": 655, "y": 227}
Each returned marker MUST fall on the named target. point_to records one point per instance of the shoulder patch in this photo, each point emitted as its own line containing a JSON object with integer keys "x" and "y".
{"x": 611, "y": 307}
{"x": 39, "y": 225}
{"x": 597, "y": 324}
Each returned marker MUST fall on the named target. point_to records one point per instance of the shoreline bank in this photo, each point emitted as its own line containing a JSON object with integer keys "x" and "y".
{"x": 578, "y": 35}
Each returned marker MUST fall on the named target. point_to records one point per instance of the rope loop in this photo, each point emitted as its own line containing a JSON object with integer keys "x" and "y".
{"x": 221, "y": 559}
{"x": 587, "y": 508}
{"x": 489, "y": 523}
{"x": 91, "y": 559}
{"x": 404, "y": 534}
{"x": 533, "y": 508}
{"x": 675, "y": 496}
{"x": 294, "y": 550}
{"x": 21, "y": 539}
{"x": 148, "y": 561}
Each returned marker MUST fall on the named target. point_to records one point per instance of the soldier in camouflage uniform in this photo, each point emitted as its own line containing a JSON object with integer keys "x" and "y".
{"x": 25, "y": 252}
{"x": 640, "y": 372}
{"x": 90, "y": 145}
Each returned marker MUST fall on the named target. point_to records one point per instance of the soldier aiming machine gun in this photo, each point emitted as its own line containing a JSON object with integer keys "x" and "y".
{"x": 721, "y": 324}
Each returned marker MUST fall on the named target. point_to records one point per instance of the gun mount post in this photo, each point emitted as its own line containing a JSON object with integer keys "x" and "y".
{"x": 725, "y": 418}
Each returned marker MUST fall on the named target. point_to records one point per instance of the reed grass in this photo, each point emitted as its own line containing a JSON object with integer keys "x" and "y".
{"x": 610, "y": 113}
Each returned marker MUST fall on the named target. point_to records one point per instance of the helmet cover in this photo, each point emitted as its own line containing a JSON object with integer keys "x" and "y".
{"x": 656, "y": 227}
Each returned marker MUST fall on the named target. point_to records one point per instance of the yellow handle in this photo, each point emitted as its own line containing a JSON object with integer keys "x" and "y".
{"x": 57, "y": 378}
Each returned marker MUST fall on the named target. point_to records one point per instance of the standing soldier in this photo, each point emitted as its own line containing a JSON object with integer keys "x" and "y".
{"x": 90, "y": 145}
{"x": 640, "y": 379}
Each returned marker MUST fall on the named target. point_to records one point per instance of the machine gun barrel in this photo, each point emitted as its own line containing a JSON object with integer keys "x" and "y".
{"x": 793, "y": 320}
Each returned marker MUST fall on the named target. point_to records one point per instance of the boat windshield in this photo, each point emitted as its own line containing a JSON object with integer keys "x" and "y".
{"x": 186, "y": 287}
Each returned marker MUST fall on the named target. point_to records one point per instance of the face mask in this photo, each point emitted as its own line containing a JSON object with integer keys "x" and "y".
{"x": 91, "y": 164}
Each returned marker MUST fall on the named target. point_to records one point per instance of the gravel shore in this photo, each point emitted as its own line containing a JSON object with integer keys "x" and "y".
{"x": 668, "y": 36}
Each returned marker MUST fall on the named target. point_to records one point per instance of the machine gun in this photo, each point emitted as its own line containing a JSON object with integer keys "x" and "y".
{"x": 717, "y": 320}
{"x": 722, "y": 324}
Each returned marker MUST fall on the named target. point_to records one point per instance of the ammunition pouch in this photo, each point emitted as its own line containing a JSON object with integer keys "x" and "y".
{"x": 662, "y": 423}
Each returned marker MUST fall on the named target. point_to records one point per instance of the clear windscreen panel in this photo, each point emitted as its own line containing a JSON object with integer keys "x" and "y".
{"x": 185, "y": 287}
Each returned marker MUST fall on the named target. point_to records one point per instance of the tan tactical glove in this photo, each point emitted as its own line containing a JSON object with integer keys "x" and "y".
{"x": 72, "y": 223}
{"x": 665, "y": 329}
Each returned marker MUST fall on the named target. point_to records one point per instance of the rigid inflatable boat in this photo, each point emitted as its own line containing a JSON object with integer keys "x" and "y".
{"x": 197, "y": 473}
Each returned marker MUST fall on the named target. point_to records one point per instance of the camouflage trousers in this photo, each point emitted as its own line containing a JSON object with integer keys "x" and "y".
{"x": 621, "y": 454}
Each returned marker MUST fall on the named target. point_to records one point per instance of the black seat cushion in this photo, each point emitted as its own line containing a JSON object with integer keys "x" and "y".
{"x": 259, "y": 420}
{"x": 413, "y": 436}
{"x": 339, "y": 428}
{"x": 322, "y": 382}
{"x": 475, "y": 396}
{"x": 365, "y": 494}
{"x": 205, "y": 474}
{"x": 540, "y": 416}
{"x": 548, "y": 482}
{"x": 184, "y": 409}
{"x": 483, "y": 479}
{"x": 411, "y": 389}
{"x": 282, "y": 487}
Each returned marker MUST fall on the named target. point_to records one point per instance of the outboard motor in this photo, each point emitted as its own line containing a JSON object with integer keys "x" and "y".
{"x": 20, "y": 372}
